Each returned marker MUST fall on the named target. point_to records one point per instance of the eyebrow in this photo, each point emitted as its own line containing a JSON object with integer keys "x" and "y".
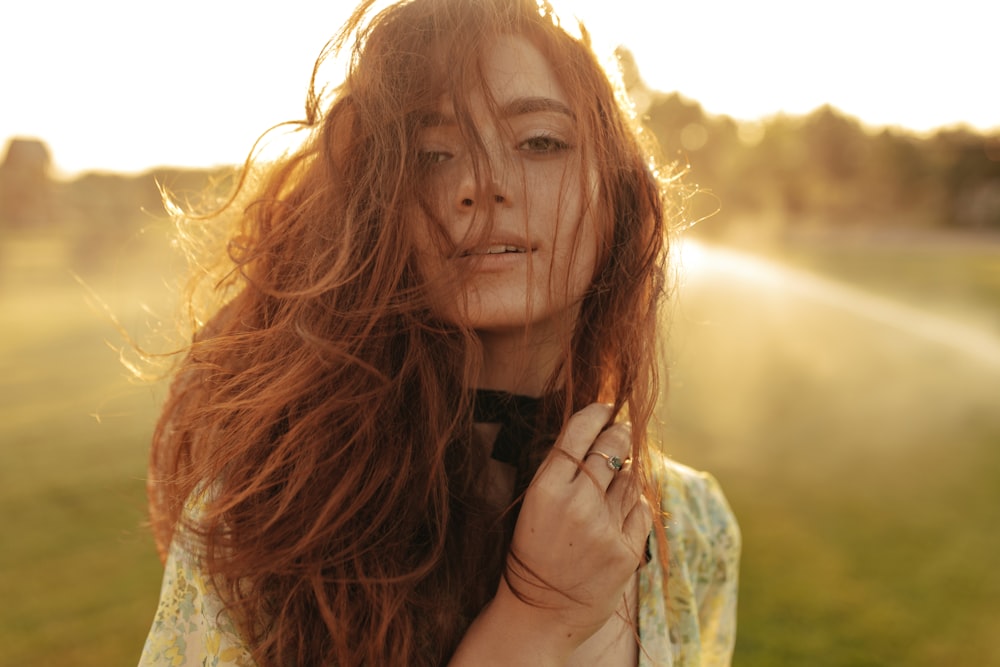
{"x": 519, "y": 106}
{"x": 524, "y": 105}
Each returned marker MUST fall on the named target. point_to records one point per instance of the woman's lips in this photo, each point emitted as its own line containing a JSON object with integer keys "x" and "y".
{"x": 495, "y": 257}
{"x": 495, "y": 249}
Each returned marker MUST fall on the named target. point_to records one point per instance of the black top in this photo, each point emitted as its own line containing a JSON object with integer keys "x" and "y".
{"x": 517, "y": 415}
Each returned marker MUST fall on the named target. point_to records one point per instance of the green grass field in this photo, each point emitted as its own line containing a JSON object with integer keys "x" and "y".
{"x": 860, "y": 451}
{"x": 78, "y": 570}
{"x": 864, "y": 466}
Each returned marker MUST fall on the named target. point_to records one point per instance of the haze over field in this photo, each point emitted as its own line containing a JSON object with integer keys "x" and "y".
{"x": 855, "y": 433}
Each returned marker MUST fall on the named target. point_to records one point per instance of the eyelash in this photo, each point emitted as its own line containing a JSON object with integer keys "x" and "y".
{"x": 541, "y": 144}
{"x": 431, "y": 158}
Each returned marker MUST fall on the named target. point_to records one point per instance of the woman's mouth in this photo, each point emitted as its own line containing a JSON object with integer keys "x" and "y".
{"x": 499, "y": 249}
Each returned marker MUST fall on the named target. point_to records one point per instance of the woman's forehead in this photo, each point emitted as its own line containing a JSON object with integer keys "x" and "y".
{"x": 514, "y": 68}
{"x": 513, "y": 77}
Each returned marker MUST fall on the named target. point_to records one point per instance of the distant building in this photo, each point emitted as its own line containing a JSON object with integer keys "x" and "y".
{"x": 25, "y": 184}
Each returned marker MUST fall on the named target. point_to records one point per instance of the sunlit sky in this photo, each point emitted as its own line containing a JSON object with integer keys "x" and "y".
{"x": 130, "y": 84}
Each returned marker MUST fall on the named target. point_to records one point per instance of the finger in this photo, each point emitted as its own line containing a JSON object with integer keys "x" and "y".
{"x": 580, "y": 432}
{"x": 624, "y": 491}
{"x": 638, "y": 524}
{"x": 609, "y": 453}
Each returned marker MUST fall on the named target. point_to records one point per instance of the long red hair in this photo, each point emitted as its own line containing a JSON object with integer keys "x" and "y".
{"x": 325, "y": 413}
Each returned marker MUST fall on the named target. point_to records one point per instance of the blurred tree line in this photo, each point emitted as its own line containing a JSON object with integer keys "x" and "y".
{"x": 96, "y": 212}
{"x": 825, "y": 168}
{"x": 779, "y": 173}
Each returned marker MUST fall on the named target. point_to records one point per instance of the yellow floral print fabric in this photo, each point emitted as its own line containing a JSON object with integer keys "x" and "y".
{"x": 191, "y": 626}
{"x": 690, "y": 621}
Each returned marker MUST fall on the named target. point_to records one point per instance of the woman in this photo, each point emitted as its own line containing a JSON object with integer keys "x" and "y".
{"x": 404, "y": 440}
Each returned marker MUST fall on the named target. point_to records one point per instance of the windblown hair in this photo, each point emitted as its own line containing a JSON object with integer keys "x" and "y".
{"x": 324, "y": 413}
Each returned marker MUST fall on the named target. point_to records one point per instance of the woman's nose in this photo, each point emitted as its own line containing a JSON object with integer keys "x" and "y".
{"x": 470, "y": 202}
{"x": 474, "y": 192}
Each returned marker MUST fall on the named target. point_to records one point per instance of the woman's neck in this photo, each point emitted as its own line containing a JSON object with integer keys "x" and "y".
{"x": 517, "y": 362}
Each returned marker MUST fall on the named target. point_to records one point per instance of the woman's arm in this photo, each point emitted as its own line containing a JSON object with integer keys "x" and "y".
{"x": 191, "y": 626}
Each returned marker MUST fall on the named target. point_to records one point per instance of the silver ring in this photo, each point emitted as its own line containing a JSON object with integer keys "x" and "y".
{"x": 614, "y": 462}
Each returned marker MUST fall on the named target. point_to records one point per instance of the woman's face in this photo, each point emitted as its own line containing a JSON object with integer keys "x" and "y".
{"x": 526, "y": 246}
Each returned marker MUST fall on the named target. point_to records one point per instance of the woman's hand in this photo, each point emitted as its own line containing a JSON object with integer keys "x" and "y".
{"x": 579, "y": 538}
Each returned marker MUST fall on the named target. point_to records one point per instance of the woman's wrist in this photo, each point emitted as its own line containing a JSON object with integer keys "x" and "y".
{"x": 510, "y": 631}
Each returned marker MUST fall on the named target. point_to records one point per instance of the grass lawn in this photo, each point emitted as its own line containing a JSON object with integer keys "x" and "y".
{"x": 862, "y": 461}
{"x": 78, "y": 570}
{"x": 949, "y": 272}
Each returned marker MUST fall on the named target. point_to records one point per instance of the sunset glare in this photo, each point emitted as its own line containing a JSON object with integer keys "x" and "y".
{"x": 117, "y": 85}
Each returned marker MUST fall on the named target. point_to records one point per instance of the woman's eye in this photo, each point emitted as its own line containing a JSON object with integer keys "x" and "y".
{"x": 430, "y": 158}
{"x": 543, "y": 144}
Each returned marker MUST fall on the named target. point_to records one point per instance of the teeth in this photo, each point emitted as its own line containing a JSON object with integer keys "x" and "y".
{"x": 495, "y": 250}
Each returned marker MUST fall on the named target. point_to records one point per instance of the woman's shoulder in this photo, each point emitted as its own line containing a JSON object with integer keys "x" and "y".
{"x": 192, "y": 625}
{"x": 689, "y": 617}
{"x": 694, "y": 504}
